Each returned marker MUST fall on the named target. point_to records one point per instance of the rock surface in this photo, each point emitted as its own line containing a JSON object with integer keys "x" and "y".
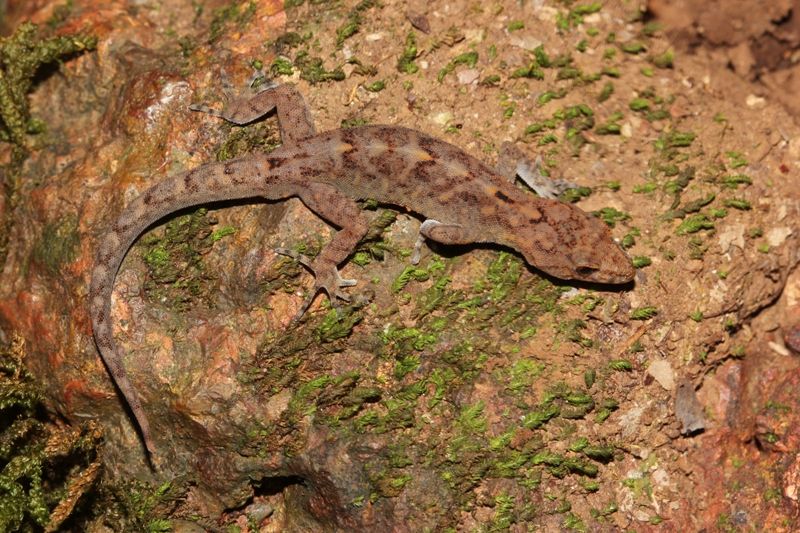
{"x": 468, "y": 393}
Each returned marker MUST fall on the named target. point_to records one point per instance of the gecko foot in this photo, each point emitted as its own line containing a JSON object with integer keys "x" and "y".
{"x": 259, "y": 81}
{"x": 234, "y": 101}
{"x": 297, "y": 256}
{"x": 326, "y": 279}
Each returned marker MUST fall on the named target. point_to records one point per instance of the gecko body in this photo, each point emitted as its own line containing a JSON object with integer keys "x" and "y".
{"x": 463, "y": 201}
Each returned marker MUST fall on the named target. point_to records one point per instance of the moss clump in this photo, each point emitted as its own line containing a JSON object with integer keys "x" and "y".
{"x": 44, "y": 469}
{"x": 57, "y": 244}
{"x": 21, "y": 56}
{"x": 174, "y": 259}
{"x": 405, "y": 63}
{"x": 232, "y": 13}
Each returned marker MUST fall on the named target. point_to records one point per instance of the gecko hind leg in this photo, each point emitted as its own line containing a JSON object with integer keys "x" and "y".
{"x": 439, "y": 232}
{"x": 293, "y": 116}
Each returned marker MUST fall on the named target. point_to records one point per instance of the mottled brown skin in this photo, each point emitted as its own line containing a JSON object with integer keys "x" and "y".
{"x": 463, "y": 200}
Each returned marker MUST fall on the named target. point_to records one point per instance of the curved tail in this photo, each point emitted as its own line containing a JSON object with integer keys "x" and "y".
{"x": 235, "y": 179}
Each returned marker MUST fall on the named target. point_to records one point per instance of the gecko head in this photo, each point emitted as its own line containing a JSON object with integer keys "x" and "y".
{"x": 569, "y": 243}
{"x": 604, "y": 263}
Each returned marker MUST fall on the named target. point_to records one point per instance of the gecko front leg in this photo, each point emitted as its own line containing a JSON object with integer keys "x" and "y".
{"x": 512, "y": 163}
{"x": 340, "y": 210}
{"x": 293, "y": 117}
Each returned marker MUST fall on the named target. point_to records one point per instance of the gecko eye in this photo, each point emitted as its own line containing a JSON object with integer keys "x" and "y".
{"x": 585, "y": 271}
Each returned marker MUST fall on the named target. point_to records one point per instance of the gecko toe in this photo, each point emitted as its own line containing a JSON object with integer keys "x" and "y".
{"x": 340, "y": 296}
{"x": 297, "y": 256}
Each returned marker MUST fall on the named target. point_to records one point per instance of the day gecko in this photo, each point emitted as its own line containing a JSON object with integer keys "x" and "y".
{"x": 462, "y": 200}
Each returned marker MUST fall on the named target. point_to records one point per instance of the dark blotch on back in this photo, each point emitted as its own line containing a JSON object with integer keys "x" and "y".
{"x": 382, "y": 164}
{"x": 468, "y": 198}
{"x": 422, "y": 170}
{"x": 429, "y": 145}
{"x": 391, "y": 137}
{"x": 275, "y": 162}
{"x": 190, "y": 183}
{"x": 120, "y": 227}
{"x": 502, "y": 197}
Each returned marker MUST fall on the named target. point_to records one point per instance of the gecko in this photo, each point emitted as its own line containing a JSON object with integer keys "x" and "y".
{"x": 460, "y": 199}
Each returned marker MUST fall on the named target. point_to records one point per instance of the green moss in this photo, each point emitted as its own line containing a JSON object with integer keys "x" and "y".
{"x": 733, "y": 181}
{"x": 405, "y": 63}
{"x": 503, "y": 516}
{"x": 538, "y": 127}
{"x": 21, "y": 56}
{"x": 611, "y": 126}
{"x": 540, "y": 416}
{"x": 571, "y": 330}
{"x": 737, "y": 203}
{"x": 313, "y": 71}
{"x": 664, "y": 60}
{"x": 405, "y": 365}
{"x": 222, "y": 232}
{"x": 589, "y": 378}
{"x": 602, "y": 454}
{"x": 281, "y": 67}
{"x": 620, "y": 365}
{"x": 574, "y": 17}
{"x": 611, "y": 72}
{"x": 56, "y": 247}
{"x": 174, "y": 259}
{"x": 376, "y": 87}
{"x": 695, "y": 205}
{"x": 645, "y": 188}
{"x": 643, "y": 313}
{"x": 230, "y": 14}
{"x": 261, "y": 136}
{"x": 693, "y": 224}
{"x": 404, "y": 339}
{"x": 639, "y": 104}
{"x": 41, "y": 463}
{"x": 531, "y": 71}
{"x": 502, "y": 275}
{"x": 736, "y": 160}
{"x": 408, "y": 274}
{"x": 472, "y": 419}
{"x": 548, "y": 139}
{"x": 675, "y": 139}
{"x": 493, "y": 80}
{"x": 607, "y": 406}
{"x": 336, "y": 324}
{"x": 522, "y": 375}
{"x": 611, "y": 216}
{"x": 633, "y": 48}
{"x": 470, "y": 59}
{"x": 347, "y": 30}
{"x": 548, "y": 96}
{"x": 353, "y": 22}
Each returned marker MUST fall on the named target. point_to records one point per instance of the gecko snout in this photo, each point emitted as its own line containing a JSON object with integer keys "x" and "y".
{"x": 611, "y": 265}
